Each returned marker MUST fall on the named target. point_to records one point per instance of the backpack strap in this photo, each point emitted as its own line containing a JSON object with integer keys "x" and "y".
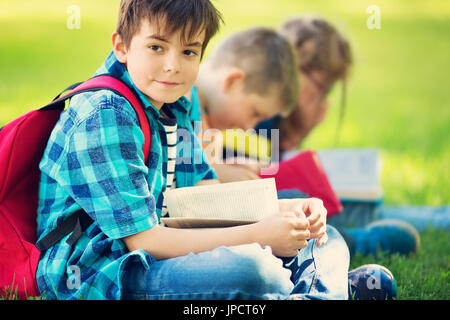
{"x": 116, "y": 85}
{"x": 69, "y": 88}
{"x": 77, "y": 222}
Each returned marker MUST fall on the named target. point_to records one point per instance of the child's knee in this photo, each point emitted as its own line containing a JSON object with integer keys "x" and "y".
{"x": 259, "y": 273}
{"x": 336, "y": 238}
{"x": 335, "y": 248}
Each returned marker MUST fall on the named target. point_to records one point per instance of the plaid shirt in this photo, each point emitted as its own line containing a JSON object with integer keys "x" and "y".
{"x": 94, "y": 161}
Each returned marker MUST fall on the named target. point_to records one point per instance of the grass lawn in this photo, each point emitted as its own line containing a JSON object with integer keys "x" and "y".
{"x": 424, "y": 275}
{"x": 397, "y": 96}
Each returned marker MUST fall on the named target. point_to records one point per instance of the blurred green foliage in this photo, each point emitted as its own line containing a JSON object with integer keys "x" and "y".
{"x": 398, "y": 97}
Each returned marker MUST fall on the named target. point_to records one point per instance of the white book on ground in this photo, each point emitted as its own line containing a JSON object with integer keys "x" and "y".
{"x": 354, "y": 174}
{"x": 222, "y": 204}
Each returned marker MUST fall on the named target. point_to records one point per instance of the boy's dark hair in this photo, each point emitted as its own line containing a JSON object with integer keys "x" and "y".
{"x": 266, "y": 57}
{"x": 189, "y": 16}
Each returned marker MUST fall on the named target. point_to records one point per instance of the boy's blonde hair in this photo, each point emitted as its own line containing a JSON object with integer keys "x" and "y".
{"x": 266, "y": 57}
{"x": 191, "y": 17}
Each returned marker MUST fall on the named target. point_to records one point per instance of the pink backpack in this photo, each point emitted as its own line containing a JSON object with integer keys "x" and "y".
{"x": 22, "y": 144}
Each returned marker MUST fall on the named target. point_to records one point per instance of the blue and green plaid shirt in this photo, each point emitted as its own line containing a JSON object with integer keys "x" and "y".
{"x": 94, "y": 161}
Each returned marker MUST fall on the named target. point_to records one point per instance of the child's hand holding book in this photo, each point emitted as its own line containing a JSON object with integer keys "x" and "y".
{"x": 298, "y": 220}
{"x": 285, "y": 233}
{"x": 284, "y": 225}
{"x": 311, "y": 209}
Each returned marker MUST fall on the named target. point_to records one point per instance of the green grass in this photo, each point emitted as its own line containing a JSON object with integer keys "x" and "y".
{"x": 397, "y": 100}
{"x": 424, "y": 275}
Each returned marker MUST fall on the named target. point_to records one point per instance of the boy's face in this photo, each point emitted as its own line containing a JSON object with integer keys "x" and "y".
{"x": 160, "y": 65}
{"x": 240, "y": 109}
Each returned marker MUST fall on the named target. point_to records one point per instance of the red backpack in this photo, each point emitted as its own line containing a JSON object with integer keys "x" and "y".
{"x": 22, "y": 145}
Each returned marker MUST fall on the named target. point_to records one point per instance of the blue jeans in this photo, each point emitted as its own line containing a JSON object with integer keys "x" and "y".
{"x": 245, "y": 272}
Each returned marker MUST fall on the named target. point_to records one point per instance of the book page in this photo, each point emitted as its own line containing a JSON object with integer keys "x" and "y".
{"x": 353, "y": 170}
{"x": 245, "y": 200}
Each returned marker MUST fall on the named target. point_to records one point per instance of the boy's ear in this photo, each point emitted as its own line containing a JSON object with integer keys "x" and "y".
{"x": 232, "y": 77}
{"x": 119, "y": 47}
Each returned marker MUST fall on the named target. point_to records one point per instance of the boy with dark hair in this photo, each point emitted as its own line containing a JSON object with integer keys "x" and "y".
{"x": 94, "y": 162}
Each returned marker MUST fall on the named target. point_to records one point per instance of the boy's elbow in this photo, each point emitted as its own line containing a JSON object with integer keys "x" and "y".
{"x": 142, "y": 240}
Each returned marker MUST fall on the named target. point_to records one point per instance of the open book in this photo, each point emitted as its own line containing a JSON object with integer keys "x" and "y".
{"x": 354, "y": 174}
{"x": 221, "y": 205}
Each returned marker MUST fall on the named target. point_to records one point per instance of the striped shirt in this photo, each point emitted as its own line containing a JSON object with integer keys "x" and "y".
{"x": 170, "y": 126}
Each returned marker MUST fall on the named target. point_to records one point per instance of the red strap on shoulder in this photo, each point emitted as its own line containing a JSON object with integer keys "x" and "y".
{"x": 109, "y": 82}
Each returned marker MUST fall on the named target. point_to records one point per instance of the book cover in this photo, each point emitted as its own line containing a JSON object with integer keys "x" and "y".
{"x": 305, "y": 172}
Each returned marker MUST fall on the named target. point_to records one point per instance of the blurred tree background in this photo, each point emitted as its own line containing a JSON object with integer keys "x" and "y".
{"x": 398, "y": 95}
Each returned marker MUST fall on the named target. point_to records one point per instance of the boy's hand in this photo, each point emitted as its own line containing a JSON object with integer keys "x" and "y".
{"x": 315, "y": 213}
{"x": 285, "y": 233}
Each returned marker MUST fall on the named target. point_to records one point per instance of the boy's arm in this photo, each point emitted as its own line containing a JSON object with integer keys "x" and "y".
{"x": 101, "y": 164}
{"x": 164, "y": 243}
{"x": 206, "y": 182}
{"x": 285, "y": 233}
